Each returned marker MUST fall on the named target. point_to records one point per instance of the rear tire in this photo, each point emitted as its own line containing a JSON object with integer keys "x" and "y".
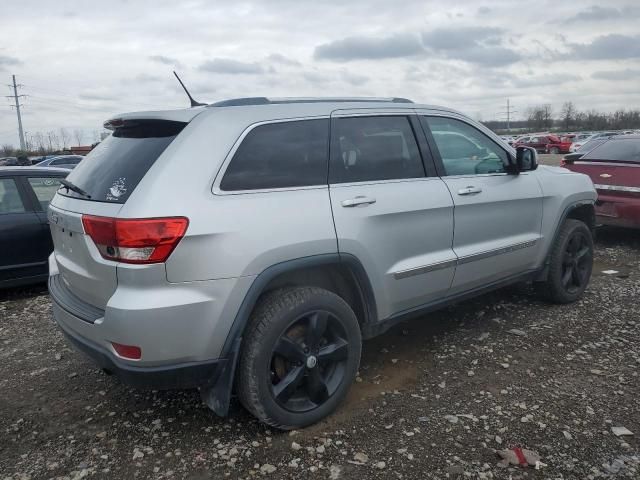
{"x": 300, "y": 355}
{"x": 570, "y": 263}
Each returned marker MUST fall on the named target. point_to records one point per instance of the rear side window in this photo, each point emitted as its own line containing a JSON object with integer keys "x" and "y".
{"x": 114, "y": 168}
{"x": 366, "y": 149}
{"x": 619, "y": 149}
{"x": 280, "y": 155}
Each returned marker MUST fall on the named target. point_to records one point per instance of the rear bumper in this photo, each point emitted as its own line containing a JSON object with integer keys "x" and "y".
{"x": 174, "y": 347}
{"x": 618, "y": 210}
{"x": 190, "y": 375}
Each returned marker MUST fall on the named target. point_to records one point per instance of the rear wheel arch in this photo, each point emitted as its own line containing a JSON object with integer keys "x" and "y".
{"x": 342, "y": 274}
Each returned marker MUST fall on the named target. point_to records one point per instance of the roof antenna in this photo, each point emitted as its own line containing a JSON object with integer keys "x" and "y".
{"x": 193, "y": 102}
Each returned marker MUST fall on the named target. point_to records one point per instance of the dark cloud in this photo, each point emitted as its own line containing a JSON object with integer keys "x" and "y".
{"x": 549, "y": 80}
{"x": 627, "y": 74}
{"x": 164, "y": 60}
{"x": 608, "y": 47}
{"x": 230, "y": 66}
{"x": 6, "y": 61}
{"x": 597, "y": 13}
{"x": 477, "y": 45}
{"x": 484, "y": 10}
{"x": 282, "y": 60}
{"x": 369, "y": 48}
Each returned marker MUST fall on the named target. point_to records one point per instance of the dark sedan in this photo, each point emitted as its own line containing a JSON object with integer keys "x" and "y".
{"x": 25, "y": 240}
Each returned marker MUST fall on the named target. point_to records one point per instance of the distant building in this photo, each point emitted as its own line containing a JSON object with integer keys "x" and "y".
{"x": 81, "y": 150}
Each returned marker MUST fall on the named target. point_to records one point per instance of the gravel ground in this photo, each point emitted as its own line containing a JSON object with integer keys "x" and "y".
{"x": 435, "y": 398}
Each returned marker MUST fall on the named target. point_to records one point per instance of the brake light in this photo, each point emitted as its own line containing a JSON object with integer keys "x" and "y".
{"x": 135, "y": 240}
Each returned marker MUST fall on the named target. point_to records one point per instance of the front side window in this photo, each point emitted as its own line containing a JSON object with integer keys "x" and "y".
{"x": 464, "y": 150}
{"x": 368, "y": 149}
{"x": 44, "y": 188}
{"x": 10, "y": 201}
{"x": 280, "y": 155}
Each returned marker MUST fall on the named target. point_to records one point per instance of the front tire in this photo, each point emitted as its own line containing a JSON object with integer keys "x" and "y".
{"x": 554, "y": 151}
{"x": 570, "y": 263}
{"x": 299, "y": 358}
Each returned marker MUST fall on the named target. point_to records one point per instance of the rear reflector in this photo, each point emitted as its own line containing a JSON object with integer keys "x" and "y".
{"x": 135, "y": 240}
{"x": 127, "y": 351}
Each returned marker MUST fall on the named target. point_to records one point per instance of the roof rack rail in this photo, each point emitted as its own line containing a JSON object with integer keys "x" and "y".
{"x": 236, "y": 102}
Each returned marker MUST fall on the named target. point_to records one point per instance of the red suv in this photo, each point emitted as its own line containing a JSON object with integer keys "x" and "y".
{"x": 538, "y": 141}
{"x": 561, "y": 146}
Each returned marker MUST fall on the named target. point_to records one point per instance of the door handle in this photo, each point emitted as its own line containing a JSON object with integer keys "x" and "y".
{"x": 470, "y": 190}
{"x": 359, "y": 200}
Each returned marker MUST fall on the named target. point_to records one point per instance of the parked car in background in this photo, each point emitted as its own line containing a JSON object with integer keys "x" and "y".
{"x": 25, "y": 239}
{"x": 539, "y": 142}
{"x": 173, "y": 277}
{"x": 614, "y": 168}
{"x": 8, "y": 161}
{"x": 62, "y": 161}
{"x": 563, "y": 144}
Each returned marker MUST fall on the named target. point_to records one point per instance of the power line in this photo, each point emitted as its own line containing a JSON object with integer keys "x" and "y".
{"x": 16, "y": 98}
{"x": 508, "y": 113}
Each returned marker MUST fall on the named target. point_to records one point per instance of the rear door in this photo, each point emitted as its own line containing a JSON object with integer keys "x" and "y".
{"x": 20, "y": 232}
{"x": 389, "y": 212}
{"x": 498, "y": 217}
{"x": 109, "y": 174}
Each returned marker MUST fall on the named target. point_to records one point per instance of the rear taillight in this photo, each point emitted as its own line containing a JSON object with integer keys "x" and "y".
{"x": 135, "y": 240}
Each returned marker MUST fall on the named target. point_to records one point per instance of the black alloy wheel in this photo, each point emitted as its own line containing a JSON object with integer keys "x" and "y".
{"x": 308, "y": 361}
{"x": 576, "y": 262}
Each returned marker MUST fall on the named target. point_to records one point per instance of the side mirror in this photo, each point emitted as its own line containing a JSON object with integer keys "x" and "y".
{"x": 526, "y": 159}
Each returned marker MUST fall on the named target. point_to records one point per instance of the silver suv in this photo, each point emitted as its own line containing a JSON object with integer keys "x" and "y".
{"x": 251, "y": 245}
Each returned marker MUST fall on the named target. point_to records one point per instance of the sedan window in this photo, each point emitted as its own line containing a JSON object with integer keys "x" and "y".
{"x": 44, "y": 188}
{"x": 10, "y": 201}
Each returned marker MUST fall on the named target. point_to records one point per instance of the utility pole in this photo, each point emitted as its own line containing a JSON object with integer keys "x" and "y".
{"x": 16, "y": 98}
{"x": 508, "y": 112}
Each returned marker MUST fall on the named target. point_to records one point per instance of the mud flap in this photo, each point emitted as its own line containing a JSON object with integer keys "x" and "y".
{"x": 218, "y": 396}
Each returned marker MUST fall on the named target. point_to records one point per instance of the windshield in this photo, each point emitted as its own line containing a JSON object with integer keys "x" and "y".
{"x": 114, "y": 168}
{"x": 590, "y": 145}
{"x": 618, "y": 149}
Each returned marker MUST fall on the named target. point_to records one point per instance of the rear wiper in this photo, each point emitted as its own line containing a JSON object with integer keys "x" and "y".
{"x": 70, "y": 186}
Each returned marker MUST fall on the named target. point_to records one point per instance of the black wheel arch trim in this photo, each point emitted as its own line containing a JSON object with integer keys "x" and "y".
{"x": 262, "y": 280}
{"x": 565, "y": 214}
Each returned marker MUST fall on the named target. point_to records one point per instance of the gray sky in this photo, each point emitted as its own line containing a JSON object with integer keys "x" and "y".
{"x": 81, "y": 62}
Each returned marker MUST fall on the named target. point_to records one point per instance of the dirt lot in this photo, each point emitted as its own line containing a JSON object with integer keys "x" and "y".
{"x": 436, "y": 397}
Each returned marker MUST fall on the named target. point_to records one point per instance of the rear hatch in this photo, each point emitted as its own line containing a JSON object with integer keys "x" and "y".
{"x": 100, "y": 185}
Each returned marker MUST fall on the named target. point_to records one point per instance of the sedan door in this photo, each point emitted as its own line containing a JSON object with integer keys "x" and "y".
{"x": 20, "y": 233}
{"x": 498, "y": 216}
{"x": 388, "y": 212}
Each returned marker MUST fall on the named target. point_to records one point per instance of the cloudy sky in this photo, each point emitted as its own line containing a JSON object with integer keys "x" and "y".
{"x": 80, "y": 62}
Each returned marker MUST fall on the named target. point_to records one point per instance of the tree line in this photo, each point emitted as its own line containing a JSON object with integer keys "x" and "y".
{"x": 569, "y": 118}
{"x": 52, "y": 141}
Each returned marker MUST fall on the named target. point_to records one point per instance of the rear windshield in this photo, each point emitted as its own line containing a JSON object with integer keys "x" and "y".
{"x": 114, "y": 168}
{"x": 619, "y": 150}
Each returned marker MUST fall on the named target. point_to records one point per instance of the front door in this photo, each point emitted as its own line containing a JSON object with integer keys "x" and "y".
{"x": 498, "y": 216}
{"x": 388, "y": 213}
